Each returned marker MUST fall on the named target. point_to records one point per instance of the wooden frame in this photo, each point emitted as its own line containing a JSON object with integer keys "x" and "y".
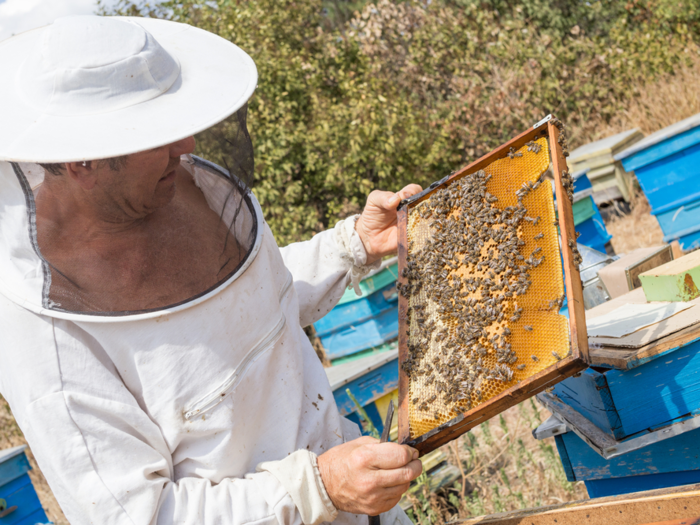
{"x": 679, "y": 504}
{"x": 575, "y": 362}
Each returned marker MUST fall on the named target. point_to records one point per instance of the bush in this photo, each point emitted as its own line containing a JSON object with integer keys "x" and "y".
{"x": 410, "y": 91}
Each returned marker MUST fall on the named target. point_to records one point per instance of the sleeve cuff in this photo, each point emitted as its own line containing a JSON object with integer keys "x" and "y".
{"x": 348, "y": 240}
{"x": 299, "y": 475}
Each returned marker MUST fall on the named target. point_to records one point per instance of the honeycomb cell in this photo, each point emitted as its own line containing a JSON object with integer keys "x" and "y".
{"x": 484, "y": 286}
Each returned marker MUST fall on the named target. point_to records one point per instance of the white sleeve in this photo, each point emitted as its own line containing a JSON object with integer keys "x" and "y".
{"x": 106, "y": 463}
{"x": 105, "y": 459}
{"x": 324, "y": 266}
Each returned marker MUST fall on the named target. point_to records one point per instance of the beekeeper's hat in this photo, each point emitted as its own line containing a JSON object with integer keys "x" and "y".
{"x": 89, "y": 87}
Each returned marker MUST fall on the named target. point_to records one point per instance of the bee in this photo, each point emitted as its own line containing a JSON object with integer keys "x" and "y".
{"x": 512, "y": 153}
{"x": 533, "y": 146}
{"x": 528, "y": 328}
{"x": 557, "y": 356}
{"x": 534, "y": 358}
{"x": 521, "y": 367}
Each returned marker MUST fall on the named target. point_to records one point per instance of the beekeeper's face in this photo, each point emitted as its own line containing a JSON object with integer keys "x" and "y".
{"x": 143, "y": 182}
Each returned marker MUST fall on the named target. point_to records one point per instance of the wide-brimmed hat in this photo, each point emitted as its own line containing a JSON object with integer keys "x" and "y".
{"x": 90, "y": 87}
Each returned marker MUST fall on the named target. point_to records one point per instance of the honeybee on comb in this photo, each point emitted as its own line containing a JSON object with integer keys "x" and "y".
{"x": 481, "y": 288}
{"x": 458, "y": 223}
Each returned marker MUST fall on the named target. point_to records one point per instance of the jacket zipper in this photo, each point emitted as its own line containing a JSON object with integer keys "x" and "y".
{"x": 266, "y": 343}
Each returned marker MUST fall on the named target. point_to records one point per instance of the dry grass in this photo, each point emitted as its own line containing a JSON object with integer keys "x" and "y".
{"x": 664, "y": 102}
{"x": 11, "y": 436}
{"x": 655, "y": 106}
{"x": 637, "y": 229}
{"x": 503, "y": 468}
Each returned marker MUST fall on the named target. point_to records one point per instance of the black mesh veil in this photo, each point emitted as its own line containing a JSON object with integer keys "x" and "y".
{"x": 163, "y": 228}
{"x": 232, "y": 147}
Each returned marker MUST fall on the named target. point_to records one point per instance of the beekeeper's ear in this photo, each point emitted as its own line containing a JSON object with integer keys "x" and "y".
{"x": 84, "y": 173}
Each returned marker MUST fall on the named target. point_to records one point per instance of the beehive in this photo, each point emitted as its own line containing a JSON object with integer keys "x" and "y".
{"x": 482, "y": 284}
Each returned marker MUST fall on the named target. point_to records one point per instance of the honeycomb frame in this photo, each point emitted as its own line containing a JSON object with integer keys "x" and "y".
{"x": 536, "y": 376}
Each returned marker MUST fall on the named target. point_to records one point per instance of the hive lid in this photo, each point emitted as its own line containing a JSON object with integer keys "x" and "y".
{"x": 647, "y": 335}
{"x": 11, "y": 453}
{"x": 603, "y": 171}
{"x": 661, "y": 135}
{"x": 606, "y": 147}
{"x": 341, "y": 375}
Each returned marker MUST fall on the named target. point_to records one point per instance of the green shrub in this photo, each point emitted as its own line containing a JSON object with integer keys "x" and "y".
{"x": 410, "y": 91}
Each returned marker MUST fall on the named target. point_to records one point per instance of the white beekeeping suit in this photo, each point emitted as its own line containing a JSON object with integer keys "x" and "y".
{"x": 208, "y": 410}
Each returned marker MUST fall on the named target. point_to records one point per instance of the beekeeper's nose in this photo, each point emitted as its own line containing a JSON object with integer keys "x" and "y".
{"x": 182, "y": 147}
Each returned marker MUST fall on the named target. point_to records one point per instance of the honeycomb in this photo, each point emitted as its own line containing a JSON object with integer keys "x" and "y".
{"x": 484, "y": 286}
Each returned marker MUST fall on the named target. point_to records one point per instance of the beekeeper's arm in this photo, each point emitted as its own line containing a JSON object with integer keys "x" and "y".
{"x": 108, "y": 462}
{"x": 324, "y": 266}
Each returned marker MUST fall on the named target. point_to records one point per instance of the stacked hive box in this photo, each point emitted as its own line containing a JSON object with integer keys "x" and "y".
{"x": 359, "y": 338}
{"x": 364, "y": 324}
{"x": 634, "y": 416}
{"x": 19, "y": 504}
{"x": 659, "y": 464}
{"x": 609, "y": 179}
{"x": 667, "y": 165}
{"x": 587, "y": 218}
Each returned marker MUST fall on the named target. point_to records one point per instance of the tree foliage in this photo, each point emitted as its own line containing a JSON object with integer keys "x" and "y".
{"x": 409, "y": 91}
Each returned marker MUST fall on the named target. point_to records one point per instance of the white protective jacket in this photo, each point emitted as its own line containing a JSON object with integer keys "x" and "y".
{"x": 210, "y": 412}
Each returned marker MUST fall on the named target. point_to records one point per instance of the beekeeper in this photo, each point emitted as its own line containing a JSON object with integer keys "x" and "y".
{"x": 151, "y": 341}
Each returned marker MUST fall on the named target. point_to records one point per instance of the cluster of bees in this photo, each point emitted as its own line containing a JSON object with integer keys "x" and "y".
{"x": 578, "y": 259}
{"x": 470, "y": 270}
{"x": 562, "y": 140}
{"x": 568, "y": 183}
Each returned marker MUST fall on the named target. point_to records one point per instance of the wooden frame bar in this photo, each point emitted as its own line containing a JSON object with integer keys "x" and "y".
{"x": 652, "y": 507}
{"x": 575, "y": 362}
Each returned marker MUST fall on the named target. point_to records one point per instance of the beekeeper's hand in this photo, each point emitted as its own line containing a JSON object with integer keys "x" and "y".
{"x": 364, "y": 476}
{"x": 377, "y": 224}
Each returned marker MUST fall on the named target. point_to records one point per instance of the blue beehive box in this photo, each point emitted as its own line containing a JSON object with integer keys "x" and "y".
{"x": 626, "y": 402}
{"x": 587, "y": 219}
{"x": 589, "y": 223}
{"x": 661, "y": 464}
{"x": 667, "y": 165}
{"x": 359, "y": 323}
{"x": 634, "y": 416}
{"x": 365, "y": 323}
{"x": 19, "y": 504}
{"x": 373, "y": 380}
